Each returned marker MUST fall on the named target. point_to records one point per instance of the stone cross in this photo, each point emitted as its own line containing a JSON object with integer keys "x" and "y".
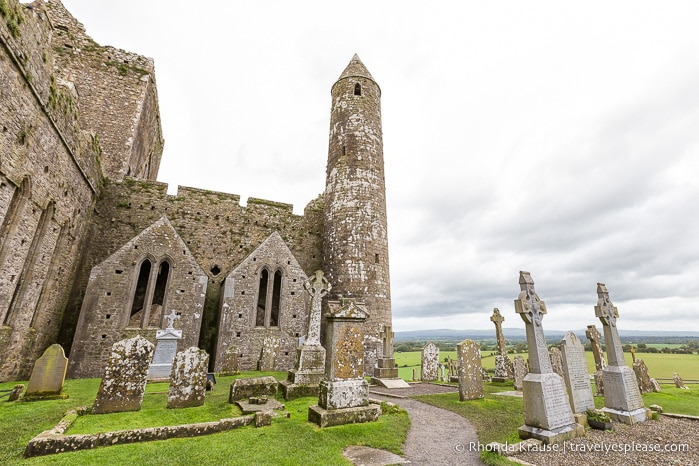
{"x": 532, "y": 310}
{"x": 171, "y": 318}
{"x": 608, "y": 314}
{"x": 633, "y": 354}
{"x": 387, "y": 337}
{"x": 498, "y": 319}
{"x": 317, "y": 286}
{"x": 594, "y": 336}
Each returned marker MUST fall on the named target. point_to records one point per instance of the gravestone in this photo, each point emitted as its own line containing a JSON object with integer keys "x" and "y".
{"x": 252, "y": 386}
{"x": 124, "y": 378}
{"x": 16, "y": 392}
{"x": 229, "y": 363}
{"x": 646, "y": 384}
{"x": 679, "y": 383}
{"x": 386, "y": 372}
{"x": 504, "y": 370}
{"x": 414, "y": 373}
{"x": 547, "y": 413}
{"x": 484, "y": 373}
{"x": 443, "y": 370}
{"x": 575, "y": 374}
{"x": 304, "y": 379}
{"x": 343, "y": 395}
{"x": 622, "y": 398}
{"x": 556, "y": 361}
{"x": 268, "y": 354}
{"x": 453, "y": 369}
{"x": 470, "y": 370}
{"x": 595, "y": 337}
{"x": 165, "y": 349}
{"x": 521, "y": 369}
{"x": 48, "y": 375}
{"x": 188, "y": 379}
{"x": 429, "y": 363}
{"x": 632, "y": 350}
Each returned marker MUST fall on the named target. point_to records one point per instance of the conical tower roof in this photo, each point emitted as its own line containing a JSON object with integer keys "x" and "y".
{"x": 356, "y": 68}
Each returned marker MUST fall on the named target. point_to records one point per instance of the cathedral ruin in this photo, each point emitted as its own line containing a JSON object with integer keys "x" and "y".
{"x": 93, "y": 250}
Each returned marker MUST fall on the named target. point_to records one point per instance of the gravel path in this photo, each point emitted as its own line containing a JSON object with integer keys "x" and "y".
{"x": 665, "y": 434}
{"x": 436, "y": 436}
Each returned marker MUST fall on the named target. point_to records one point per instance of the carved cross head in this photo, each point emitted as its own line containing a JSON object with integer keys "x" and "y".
{"x": 592, "y": 333}
{"x": 605, "y": 310}
{"x": 171, "y": 318}
{"x": 317, "y": 285}
{"x": 528, "y": 305}
{"x": 497, "y": 317}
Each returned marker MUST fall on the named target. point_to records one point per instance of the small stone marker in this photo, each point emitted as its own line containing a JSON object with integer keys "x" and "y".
{"x": 646, "y": 384}
{"x": 229, "y": 363}
{"x": 470, "y": 370}
{"x": 547, "y": 413}
{"x": 414, "y": 373}
{"x": 595, "y": 337}
{"x": 254, "y": 386}
{"x": 124, "y": 378}
{"x": 679, "y": 383}
{"x": 268, "y": 354}
{"x": 622, "y": 398}
{"x": 16, "y": 392}
{"x": 304, "y": 379}
{"x": 343, "y": 396}
{"x": 48, "y": 375}
{"x": 521, "y": 369}
{"x": 188, "y": 379}
{"x": 386, "y": 372}
{"x": 429, "y": 367}
{"x": 575, "y": 374}
{"x": 556, "y": 361}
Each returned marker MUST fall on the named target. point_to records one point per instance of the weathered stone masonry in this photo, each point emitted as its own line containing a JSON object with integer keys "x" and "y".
{"x": 93, "y": 249}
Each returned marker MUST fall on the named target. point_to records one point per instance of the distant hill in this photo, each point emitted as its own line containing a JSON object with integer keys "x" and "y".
{"x": 519, "y": 334}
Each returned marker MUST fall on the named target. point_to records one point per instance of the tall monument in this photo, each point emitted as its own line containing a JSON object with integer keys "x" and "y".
{"x": 355, "y": 239}
{"x": 547, "y": 413}
{"x": 622, "y": 398}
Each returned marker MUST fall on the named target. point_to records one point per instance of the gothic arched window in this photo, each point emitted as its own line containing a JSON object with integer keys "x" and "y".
{"x": 357, "y": 89}
{"x": 268, "y": 299}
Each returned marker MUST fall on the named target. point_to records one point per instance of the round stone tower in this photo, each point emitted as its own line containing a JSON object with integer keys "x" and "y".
{"x": 355, "y": 240}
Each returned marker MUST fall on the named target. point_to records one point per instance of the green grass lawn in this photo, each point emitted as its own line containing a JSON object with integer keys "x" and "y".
{"x": 285, "y": 442}
{"x": 660, "y": 366}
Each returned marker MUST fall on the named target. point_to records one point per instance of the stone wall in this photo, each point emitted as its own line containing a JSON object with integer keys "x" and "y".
{"x": 49, "y": 175}
{"x": 219, "y": 232}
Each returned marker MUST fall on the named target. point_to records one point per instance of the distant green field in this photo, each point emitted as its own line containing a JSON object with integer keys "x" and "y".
{"x": 660, "y": 366}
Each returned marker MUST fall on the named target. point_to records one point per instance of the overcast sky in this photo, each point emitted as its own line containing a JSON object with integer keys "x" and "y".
{"x": 560, "y": 138}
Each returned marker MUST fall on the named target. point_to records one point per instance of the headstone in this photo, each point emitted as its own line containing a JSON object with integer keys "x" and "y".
{"x": 16, "y": 392}
{"x": 304, "y": 379}
{"x": 504, "y": 370}
{"x": 165, "y": 350}
{"x": 646, "y": 384}
{"x": 521, "y": 370}
{"x": 48, "y": 375}
{"x": 429, "y": 367}
{"x": 268, "y": 354}
{"x": 443, "y": 370}
{"x": 386, "y": 372}
{"x": 253, "y": 386}
{"x": 484, "y": 373}
{"x": 556, "y": 361}
{"x": 547, "y": 413}
{"x": 575, "y": 374}
{"x": 414, "y": 373}
{"x": 632, "y": 350}
{"x": 595, "y": 337}
{"x": 622, "y": 398}
{"x": 470, "y": 376}
{"x": 679, "y": 383}
{"x": 188, "y": 379}
{"x": 229, "y": 363}
{"x": 453, "y": 369}
{"x": 124, "y": 378}
{"x": 343, "y": 395}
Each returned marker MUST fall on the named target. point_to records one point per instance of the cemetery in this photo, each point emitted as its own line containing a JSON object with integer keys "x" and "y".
{"x": 548, "y": 396}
